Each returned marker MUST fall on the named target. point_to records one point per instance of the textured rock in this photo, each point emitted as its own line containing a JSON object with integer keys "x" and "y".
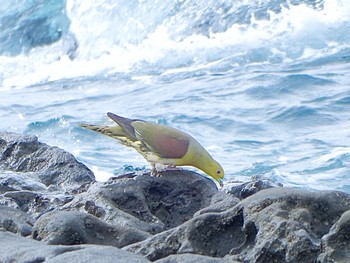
{"x": 35, "y": 203}
{"x": 11, "y": 181}
{"x": 209, "y": 234}
{"x": 336, "y": 244}
{"x": 152, "y": 204}
{"x": 273, "y": 225}
{"x": 190, "y": 258}
{"x": 17, "y": 249}
{"x": 243, "y": 190}
{"x": 15, "y": 221}
{"x": 37, "y": 178}
{"x": 220, "y": 202}
{"x": 71, "y": 228}
{"x": 180, "y": 217}
{"x": 52, "y": 165}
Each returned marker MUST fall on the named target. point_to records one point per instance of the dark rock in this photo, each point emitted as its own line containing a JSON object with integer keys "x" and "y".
{"x": 98, "y": 201}
{"x": 71, "y": 228}
{"x": 220, "y": 202}
{"x": 149, "y": 203}
{"x": 273, "y": 225}
{"x": 11, "y": 181}
{"x": 190, "y": 258}
{"x": 35, "y": 203}
{"x": 37, "y": 178}
{"x": 15, "y": 221}
{"x": 94, "y": 209}
{"x": 336, "y": 244}
{"x": 208, "y": 234}
{"x": 46, "y": 194}
{"x": 22, "y": 250}
{"x": 243, "y": 190}
{"x": 52, "y": 165}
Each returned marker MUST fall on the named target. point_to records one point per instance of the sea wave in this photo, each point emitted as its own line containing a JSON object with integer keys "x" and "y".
{"x": 69, "y": 39}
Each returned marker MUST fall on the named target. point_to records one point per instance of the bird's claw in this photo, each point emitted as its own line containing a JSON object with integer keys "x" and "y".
{"x": 156, "y": 173}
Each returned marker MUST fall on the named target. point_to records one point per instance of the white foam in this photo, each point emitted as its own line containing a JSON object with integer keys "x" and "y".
{"x": 336, "y": 152}
{"x": 100, "y": 174}
{"x": 109, "y": 41}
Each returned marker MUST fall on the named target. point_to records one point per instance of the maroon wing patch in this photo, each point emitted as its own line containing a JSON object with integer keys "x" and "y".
{"x": 169, "y": 147}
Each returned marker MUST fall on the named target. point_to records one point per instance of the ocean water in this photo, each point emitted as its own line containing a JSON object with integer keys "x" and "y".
{"x": 263, "y": 85}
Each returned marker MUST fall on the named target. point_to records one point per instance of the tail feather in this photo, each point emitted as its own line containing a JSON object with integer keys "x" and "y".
{"x": 114, "y": 132}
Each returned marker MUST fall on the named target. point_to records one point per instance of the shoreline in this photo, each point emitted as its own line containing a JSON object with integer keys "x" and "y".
{"x": 51, "y": 204}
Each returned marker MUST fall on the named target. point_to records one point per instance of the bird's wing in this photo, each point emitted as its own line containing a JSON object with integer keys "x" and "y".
{"x": 125, "y": 124}
{"x": 166, "y": 142}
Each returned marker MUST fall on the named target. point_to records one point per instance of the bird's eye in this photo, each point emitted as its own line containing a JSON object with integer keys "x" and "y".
{"x": 218, "y": 172}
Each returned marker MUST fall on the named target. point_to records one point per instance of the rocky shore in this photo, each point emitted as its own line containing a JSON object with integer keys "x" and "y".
{"x": 53, "y": 210}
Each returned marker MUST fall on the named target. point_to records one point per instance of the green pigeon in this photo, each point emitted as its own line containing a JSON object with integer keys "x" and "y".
{"x": 162, "y": 146}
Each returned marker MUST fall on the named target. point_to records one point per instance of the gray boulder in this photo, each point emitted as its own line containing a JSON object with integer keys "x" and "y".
{"x": 152, "y": 204}
{"x": 72, "y": 227}
{"x": 35, "y": 203}
{"x": 18, "y": 249}
{"x": 273, "y": 225}
{"x": 220, "y": 202}
{"x": 52, "y": 165}
{"x": 15, "y": 221}
{"x": 243, "y": 190}
{"x": 180, "y": 217}
{"x": 37, "y": 178}
{"x": 17, "y": 181}
{"x": 335, "y": 245}
{"x": 190, "y": 258}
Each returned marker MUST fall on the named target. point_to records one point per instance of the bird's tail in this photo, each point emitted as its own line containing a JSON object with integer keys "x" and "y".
{"x": 114, "y": 132}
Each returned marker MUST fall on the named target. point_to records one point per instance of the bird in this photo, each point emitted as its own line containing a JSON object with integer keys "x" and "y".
{"x": 164, "y": 147}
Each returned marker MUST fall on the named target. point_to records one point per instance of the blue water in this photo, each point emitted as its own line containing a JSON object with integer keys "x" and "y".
{"x": 263, "y": 85}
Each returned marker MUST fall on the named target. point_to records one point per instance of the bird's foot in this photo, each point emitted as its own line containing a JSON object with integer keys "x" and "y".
{"x": 160, "y": 168}
{"x": 156, "y": 173}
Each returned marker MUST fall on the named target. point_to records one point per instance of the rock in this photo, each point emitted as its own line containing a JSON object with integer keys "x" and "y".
{"x": 243, "y": 190}
{"x": 37, "y": 178}
{"x": 220, "y": 202}
{"x": 336, "y": 244}
{"x": 98, "y": 254}
{"x": 15, "y": 221}
{"x": 18, "y": 249}
{"x": 52, "y": 165}
{"x": 273, "y": 225}
{"x": 71, "y": 228}
{"x": 291, "y": 222}
{"x": 11, "y": 181}
{"x": 36, "y": 203}
{"x": 180, "y": 217}
{"x": 149, "y": 203}
{"x": 190, "y": 258}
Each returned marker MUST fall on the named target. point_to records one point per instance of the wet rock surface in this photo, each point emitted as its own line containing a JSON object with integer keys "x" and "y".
{"x": 51, "y": 165}
{"x": 15, "y": 248}
{"x": 335, "y": 245}
{"x": 152, "y": 204}
{"x": 72, "y": 227}
{"x": 53, "y": 210}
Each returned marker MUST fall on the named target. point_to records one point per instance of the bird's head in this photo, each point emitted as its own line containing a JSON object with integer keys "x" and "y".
{"x": 216, "y": 171}
{"x": 213, "y": 169}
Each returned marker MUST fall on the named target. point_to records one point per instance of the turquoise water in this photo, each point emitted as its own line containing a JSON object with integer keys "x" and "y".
{"x": 264, "y": 86}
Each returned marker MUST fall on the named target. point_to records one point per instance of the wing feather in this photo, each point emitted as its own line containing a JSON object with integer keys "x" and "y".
{"x": 164, "y": 141}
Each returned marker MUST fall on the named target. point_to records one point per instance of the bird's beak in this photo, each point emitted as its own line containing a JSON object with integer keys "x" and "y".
{"x": 221, "y": 183}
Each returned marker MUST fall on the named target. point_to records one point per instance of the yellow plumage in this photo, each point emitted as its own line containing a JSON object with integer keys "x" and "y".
{"x": 160, "y": 145}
